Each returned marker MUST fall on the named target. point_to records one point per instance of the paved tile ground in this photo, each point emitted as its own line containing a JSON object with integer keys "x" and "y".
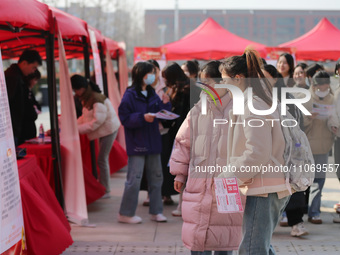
{"x": 111, "y": 237}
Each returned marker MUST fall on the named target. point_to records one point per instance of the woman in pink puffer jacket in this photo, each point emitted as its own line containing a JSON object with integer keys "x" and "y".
{"x": 204, "y": 229}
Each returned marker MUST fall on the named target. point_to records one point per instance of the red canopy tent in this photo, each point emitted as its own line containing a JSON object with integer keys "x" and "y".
{"x": 319, "y": 44}
{"x": 210, "y": 41}
{"x": 22, "y": 29}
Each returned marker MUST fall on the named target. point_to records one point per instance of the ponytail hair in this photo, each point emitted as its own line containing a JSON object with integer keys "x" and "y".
{"x": 249, "y": 65}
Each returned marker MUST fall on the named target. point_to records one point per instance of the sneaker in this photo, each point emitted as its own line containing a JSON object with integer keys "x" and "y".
{"x": 130, "y": 220}
{"x": 337, "y": 208}
{"x": 284, "y": 222}
{"x": 106, "y": 195}
{"x": 176, "y": 213}
{"x": 336, "y": 219}
{"x": 315, "y": 220}
{"x": 299, "y": 230}
{"x": 158, "y": 217}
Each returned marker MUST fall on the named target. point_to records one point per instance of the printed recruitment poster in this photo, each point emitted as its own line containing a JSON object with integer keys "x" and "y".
{"x": 11, "y": 218}
{"x": 96, "y": 59}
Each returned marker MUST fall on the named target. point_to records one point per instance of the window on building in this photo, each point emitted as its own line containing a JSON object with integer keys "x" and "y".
{"x": 302, "y": 21}
{"x": 316, "y": 20}
{"x": 160, "y": 21}
{"x": 285, "y": 21}
{"x": 231, "y": 21}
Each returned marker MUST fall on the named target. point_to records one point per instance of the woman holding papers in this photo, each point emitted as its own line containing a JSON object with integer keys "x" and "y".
{"x": 199, "y": 145}
{"x": 143, "y": 143}
{"x": 320, "y": 137}
{"x": 267, "y": 193}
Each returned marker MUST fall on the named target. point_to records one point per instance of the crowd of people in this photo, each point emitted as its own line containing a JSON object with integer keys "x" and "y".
{"x": 162, "y": 154}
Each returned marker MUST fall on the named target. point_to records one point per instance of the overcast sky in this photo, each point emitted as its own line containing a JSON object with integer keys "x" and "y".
{"x": 230, "y": 4}
{"x": 244, "y": 4}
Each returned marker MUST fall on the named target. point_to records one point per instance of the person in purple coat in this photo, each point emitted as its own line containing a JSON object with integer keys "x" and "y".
{"x": 143, "y": 143}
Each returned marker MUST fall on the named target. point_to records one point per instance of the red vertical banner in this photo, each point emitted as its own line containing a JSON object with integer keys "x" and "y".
{"x": 74, "y": 187}
{"x": 12, "y": 234}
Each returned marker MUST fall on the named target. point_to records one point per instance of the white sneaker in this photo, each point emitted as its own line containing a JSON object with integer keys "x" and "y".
{"x": 130, "y": 220}
{"x": 158, "y": 217}
{"x": 299, "y": 230}
{"x": 284, "y": 222}
{"x": 176, "y": 213}
{"x": 336, "y": 219}
{"x": 106, "y": 196}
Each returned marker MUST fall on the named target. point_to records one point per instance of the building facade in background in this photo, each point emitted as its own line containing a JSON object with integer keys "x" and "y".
{"x": 270, "y": 27}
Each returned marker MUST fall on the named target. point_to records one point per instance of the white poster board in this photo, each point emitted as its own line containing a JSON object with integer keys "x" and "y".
{"x": 96, "y": 60}
{"x": 11, "y": 217}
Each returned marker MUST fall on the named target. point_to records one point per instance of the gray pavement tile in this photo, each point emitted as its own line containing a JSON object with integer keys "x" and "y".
{"x": 111, "y": 237}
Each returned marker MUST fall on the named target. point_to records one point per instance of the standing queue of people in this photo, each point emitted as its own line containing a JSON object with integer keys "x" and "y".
{"x": 167, "y": 152}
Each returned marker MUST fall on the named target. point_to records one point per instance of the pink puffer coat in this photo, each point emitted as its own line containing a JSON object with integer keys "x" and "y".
{"x": 203, "y": 227}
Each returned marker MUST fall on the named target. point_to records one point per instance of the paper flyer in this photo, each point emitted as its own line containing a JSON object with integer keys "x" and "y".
{"x": 166, "y": 115}
{"x": 228, "y": 197}
{"x": 323, "y": 110}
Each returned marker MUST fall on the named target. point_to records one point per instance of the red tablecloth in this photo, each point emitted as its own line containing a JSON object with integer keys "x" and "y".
{"x": 93, "y": 189}
{"x": 46, "y": 227}
{"x": 117, "y": 159}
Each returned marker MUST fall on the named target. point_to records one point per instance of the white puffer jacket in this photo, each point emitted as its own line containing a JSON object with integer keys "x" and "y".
{"x": 101, "y": 121}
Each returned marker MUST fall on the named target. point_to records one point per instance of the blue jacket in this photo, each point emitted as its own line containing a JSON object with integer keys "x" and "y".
{"x": 141, "y": 137}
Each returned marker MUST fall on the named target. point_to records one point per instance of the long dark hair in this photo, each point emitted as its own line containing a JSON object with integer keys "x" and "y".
{"x": 249, "y": 65}
{"x": 79, "y": 82}
{"x": 212, "y": 70}
{"x": 276, "y": 75}
{"x": 138, "y": 72}
{"x": 174, "y": 75}
{"x": 193, "y": 67}
{"x": 311, "y": 70}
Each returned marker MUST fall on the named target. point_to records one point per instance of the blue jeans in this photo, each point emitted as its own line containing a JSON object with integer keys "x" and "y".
{"x": 209, "y": 253}
{"x": 154, "y": 176}
{"x": 260, "y": 218}
{"x": 105, "y": 146}
{"x": 316, "y": 187}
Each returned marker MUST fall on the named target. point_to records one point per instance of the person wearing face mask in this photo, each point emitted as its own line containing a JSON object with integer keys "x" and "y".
{"x": 334, "y": 126}
{"x": 143, "y": 143}
{"x": 320, "y": 137}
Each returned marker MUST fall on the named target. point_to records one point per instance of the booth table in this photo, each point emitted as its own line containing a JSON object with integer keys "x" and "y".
{"x": 46, "y": 227}
{"x": 93, "y": 189}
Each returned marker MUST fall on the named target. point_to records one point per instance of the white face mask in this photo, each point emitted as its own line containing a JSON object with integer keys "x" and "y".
{"x": 322, "y": 94}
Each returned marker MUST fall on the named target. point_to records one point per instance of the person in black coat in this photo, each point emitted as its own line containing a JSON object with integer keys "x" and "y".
{"x": 179, "y": 91}
{"x": 33, "y": 107}
{"x": 18, "y": 91}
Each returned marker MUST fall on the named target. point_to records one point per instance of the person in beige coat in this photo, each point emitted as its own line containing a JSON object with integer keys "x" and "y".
{"x": 99, "y": 121}
{"x": 320, "y": 137}
{"x": 334, "y": 126}
{"x": 199, "y": 144}
{"x": 250, "y": 149}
